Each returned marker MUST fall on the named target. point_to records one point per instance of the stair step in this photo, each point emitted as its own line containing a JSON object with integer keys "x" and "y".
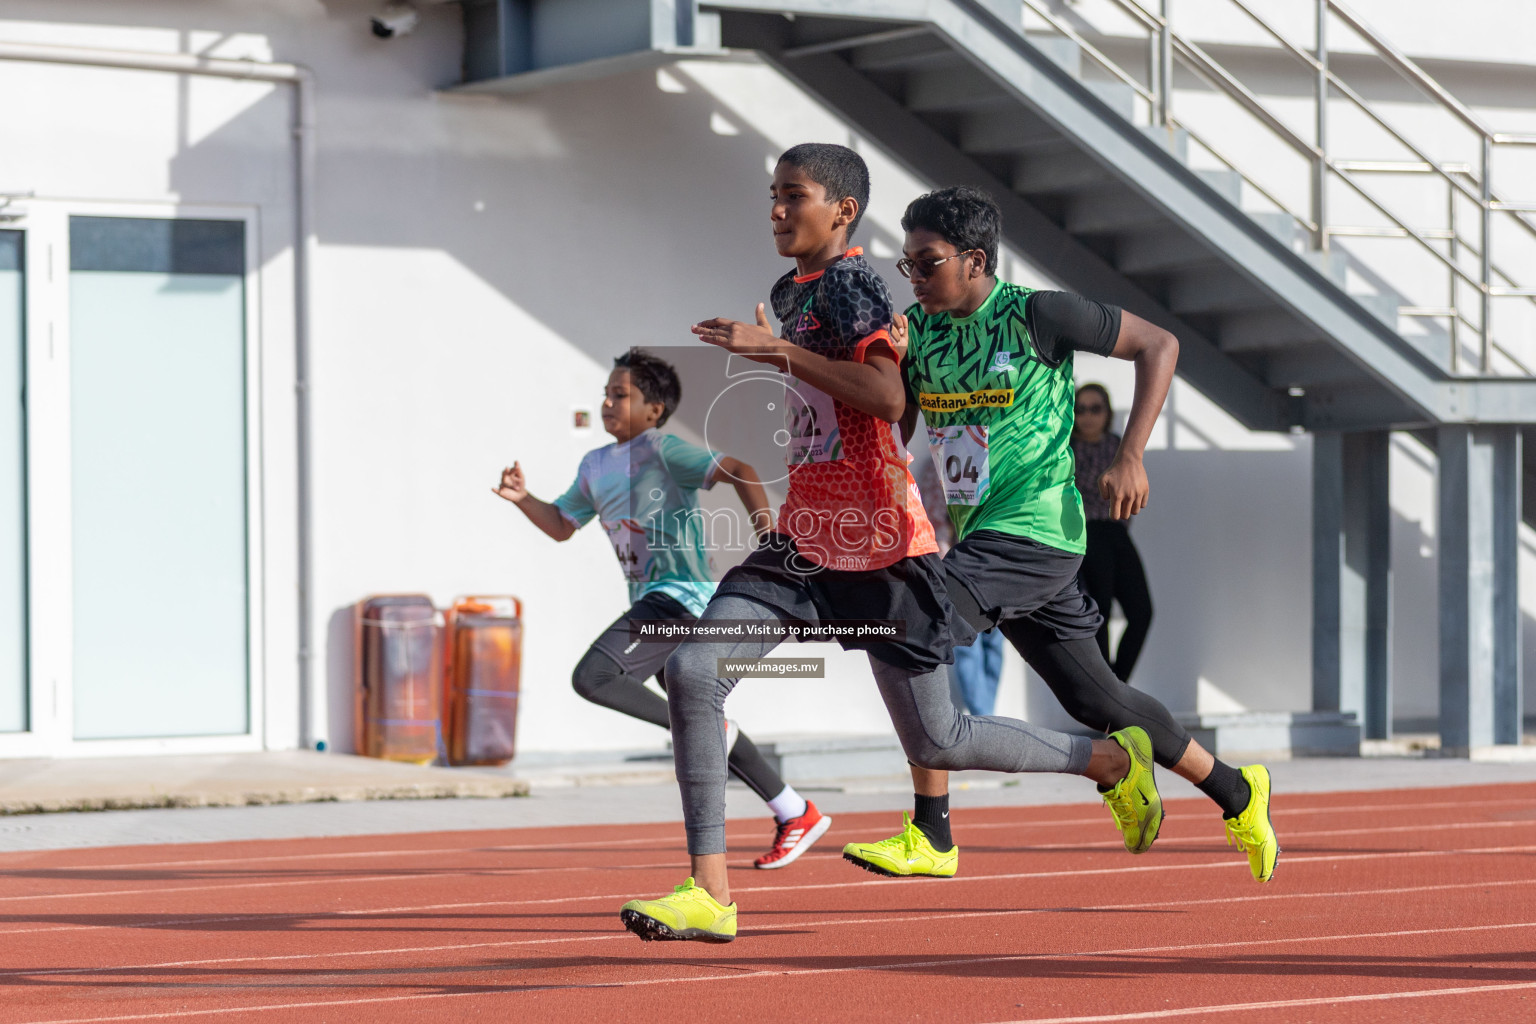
{"x": 1218, "y": 291}
{"x": 1310, "y": 365}
{"x": 1159, "y": 251}
{"x": 916, "y": 53}
{"x": 1063, "y": 52}
{"x": 983, "y": 134}
{"x": 1284, "y": 227}
{"x": 1058, "y": 174}
{"x": 1262, "y": 331}
{"x": 1293, "y": 733}
{"x": 1383, "y": 307}
{"x": 1228, "y": 184}
{"x": 1117, "y": 96}
{"x": 1175, "y": 140}
{"x": 1110, "y": 212}
{"x": 929, "y": 90}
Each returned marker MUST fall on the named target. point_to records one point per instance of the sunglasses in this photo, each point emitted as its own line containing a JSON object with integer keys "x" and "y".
{"x": 905, "y": 265}
{"x": 1089, "y": 408}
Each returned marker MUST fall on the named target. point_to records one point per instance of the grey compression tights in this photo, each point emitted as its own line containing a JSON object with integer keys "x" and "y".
{"x": 932, "y": 732}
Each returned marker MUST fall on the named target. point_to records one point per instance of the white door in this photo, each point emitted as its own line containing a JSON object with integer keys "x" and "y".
{"x": 15, "y": 695}
{"x": 141, "y": 493}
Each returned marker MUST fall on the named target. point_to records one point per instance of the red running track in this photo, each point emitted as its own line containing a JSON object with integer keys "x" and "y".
{"x": 1415, "y": 905}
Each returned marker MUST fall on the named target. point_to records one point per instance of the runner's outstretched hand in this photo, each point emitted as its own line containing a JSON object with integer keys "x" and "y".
{"x": 751, "y": 341}
{"x": 1124, "y": 485}
{"x": 514, "y": 486}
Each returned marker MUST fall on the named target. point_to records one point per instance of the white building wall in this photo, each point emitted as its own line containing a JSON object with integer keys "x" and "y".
{"x": 481, "y": 260}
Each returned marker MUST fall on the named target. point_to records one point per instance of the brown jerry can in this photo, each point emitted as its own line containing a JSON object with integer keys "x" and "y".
{"x": 482, "y": 662}
{"x": 398, "y": 689}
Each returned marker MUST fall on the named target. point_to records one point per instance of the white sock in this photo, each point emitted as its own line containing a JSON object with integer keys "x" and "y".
{"x": 787, "y": 804}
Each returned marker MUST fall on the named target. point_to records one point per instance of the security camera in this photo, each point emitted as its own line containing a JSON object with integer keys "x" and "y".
{"x": 397, "y": 18}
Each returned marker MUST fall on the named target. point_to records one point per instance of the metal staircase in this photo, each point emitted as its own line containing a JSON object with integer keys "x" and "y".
{"x": 1101, "y": 185}
{"x": 1256, "y": 249}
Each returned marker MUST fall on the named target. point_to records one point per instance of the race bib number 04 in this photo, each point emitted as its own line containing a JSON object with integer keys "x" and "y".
{"x": 629, "y": 543}
{"x": 960, "y": 454}
{"x": 811, "y": 422}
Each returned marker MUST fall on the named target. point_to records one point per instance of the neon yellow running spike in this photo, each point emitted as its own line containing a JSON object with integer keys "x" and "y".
{"x": 905, "y": 854}
{"x": 689, "y": 913}
{"x": 1134, "y": 801}
{"x": 1252, "y": 830}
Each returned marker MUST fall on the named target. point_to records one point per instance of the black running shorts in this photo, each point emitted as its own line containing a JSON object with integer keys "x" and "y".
{"x": 637, "y": 659}
{"x": 1013, "y": 577}
{"x": 910, "y": 591}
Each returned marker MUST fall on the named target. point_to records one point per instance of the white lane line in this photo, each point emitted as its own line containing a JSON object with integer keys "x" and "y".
{"x": 733, "y": 975}
{"x": 424, "y": 910}
{"x": 675, "y": 837}
{"x": 1229, "y": 864}
{"x": 1025, "y": 847}
{"x": 922, "y": 917}
{"x": 1283, "y": 1004}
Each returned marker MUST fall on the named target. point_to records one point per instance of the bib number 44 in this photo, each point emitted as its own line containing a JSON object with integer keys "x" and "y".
{"x": 629, "y": 544}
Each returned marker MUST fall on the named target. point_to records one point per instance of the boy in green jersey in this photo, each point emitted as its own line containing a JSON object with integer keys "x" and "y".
{"x": 989, "y": 365}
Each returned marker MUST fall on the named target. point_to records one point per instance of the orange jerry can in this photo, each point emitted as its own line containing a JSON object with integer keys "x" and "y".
{"x": 398, "y": 678}
{"x": 482, "y": 659}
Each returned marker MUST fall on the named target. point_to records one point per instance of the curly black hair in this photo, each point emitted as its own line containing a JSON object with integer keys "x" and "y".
{"x": 965, "y": 217}
{"x": 838, "y": 169}
{"x": 655, "y": 377}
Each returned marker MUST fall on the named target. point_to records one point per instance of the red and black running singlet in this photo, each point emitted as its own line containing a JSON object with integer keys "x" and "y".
{"x": 852, "y": 504}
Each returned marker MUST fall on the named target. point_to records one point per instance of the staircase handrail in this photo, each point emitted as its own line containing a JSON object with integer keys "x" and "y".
{"x": 1471, "y": 182}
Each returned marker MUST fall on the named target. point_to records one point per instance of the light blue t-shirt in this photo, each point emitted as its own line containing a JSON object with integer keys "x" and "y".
{"x": 645, "y": 493}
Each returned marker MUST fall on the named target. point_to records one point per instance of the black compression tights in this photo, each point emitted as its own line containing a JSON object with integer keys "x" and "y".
{"x": 1082, "y": 681}
{"x": 599, "y": 679}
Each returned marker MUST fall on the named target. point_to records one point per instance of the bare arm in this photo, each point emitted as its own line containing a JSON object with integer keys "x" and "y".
{"x": 873, "y": 386}
{"x": 749, "y": 488}
{"x": 1156, "y": 353}
{"x": 900, "y": 338}
{"x": 514, "y": 488}
{"x": 908, "y": 423}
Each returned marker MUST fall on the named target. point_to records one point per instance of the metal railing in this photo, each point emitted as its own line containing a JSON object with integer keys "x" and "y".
{"x": 1474, "y": 279}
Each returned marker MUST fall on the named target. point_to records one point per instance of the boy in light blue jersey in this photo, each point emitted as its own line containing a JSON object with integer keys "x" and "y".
{"x": 643, "y": 489}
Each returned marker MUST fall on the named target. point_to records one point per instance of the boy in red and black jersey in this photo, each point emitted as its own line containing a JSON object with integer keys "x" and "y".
{"x": 852, "y": 543}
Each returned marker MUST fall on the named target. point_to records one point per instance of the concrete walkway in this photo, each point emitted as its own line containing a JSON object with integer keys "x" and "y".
{"x": 232, "y": 780}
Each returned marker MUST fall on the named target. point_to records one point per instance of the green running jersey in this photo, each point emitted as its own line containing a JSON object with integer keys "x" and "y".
{"x": 999, "y": 421}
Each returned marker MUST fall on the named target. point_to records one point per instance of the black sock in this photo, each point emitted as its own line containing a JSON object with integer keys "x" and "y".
{"x": 931, "y": 814}
{"x": 1227, "y": 787}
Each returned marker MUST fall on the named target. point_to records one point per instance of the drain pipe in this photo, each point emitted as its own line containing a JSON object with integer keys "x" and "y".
{"x": 302, "y": 81}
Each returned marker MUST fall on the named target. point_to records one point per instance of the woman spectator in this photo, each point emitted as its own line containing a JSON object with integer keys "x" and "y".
{"x": 1112, "y": 569}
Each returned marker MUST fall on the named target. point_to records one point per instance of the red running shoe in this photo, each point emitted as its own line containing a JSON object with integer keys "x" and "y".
{"x": 794, "y": 837}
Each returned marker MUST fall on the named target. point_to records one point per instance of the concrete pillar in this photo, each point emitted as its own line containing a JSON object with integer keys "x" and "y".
{"x": 1352, "y": 578}
{"x": 1479, "y": 587}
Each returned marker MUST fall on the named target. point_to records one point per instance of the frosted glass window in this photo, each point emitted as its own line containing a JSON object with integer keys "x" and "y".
{"x": 13, "y": 489}
{"x": 157, "y": 357}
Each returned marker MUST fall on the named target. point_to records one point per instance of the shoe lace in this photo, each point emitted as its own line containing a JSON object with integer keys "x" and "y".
{"x": 906, "y": 840}
{"x": 1119, "y": 804}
